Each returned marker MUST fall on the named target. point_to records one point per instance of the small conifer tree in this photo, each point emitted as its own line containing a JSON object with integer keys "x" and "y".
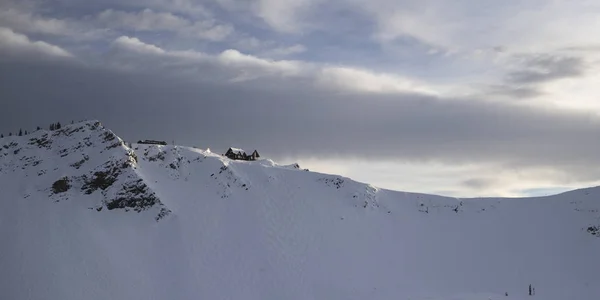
{"x": 530, "y": 290}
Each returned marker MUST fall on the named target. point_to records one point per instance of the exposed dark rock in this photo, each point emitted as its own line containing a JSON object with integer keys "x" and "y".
{"x": 42, "y": 142}
{"x": 135, "y": 195}
{"x": 94, "y": 126}
{"x": 333, "y": 182}
{"x": 87, "y": 142}
{"x": 163, "y": 213}
{"x": 159, "y": 156}
{"x": 223, "y": 168}
{"x": 114, "y": 145}
{"x": 66, "y": 131}
{"x": 11, "y": 145}
{"x": 60, "y": 186}
{"x": 78, "y": 164}
{"x": 63, "y": 152}
{"x": 101, "y": 179}
{"x": 109, "y": 136}
{"x": 594, "y": 230}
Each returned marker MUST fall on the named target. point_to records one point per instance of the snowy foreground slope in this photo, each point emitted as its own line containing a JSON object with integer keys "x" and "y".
{"x": 83, "y": 216}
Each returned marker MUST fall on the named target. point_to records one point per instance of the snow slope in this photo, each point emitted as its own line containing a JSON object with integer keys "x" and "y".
{"x": 83, "y": 216}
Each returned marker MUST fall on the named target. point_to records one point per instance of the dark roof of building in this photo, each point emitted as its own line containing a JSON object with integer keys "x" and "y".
{"x": 237, "y": 150}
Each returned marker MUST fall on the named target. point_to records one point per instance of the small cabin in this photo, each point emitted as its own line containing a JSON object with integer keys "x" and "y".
{"x": 240, "y": 154}
{"x": 152, "y": 142}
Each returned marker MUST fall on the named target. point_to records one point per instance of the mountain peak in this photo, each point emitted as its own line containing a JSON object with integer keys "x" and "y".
{"x": 81, "y": 160}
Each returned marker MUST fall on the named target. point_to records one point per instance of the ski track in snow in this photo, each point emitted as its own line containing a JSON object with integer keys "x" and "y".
{"x": 173, "y": 222}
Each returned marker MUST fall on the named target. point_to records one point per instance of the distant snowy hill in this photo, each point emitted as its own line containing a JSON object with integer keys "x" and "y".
{"x": 83, "y": 216}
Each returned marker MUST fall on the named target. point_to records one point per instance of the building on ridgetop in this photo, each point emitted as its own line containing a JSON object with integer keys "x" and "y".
{"x": 152, "y": 142}
{"x": 240, "y": 154}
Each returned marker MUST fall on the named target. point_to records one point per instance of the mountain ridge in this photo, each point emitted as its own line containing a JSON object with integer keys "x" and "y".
{"x": 86, "y": 216}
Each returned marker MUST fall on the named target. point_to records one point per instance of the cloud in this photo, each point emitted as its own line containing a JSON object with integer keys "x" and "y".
{"x": 283, "y": 15}
{"x": 316, "y": 122}
{"x": 456, "y": 27}
{"x": 455, "y": 180}
{"x": 232, "y": 65}
{"x": 478, "y": 183}
{"x": 15, "y": 46}
{"x": 145, "y": 20}
{"x": 27, "y": 20}
{"x": 543, "y": 76}
{"x": 387, "y": 82}
{"x": 543, "y": 68}
{"x": 284, "y": 51}
{"x": 251, "y": 43}
{"x": 253, "y": 67}
{"x": 447, "y": 143}
{"x": 585, "y": 48}
{"x": 135, "y": 45}
{"x": 267, "y": 48}
{"x": 148, "y": 20}
{"x": 464, "y": 26}
{"x": 188, "y": 7}
{"x": 511, "y": 91}
{"x": 401, "y": 22}
{"x": 229, "y": 65}
{"x": 362, "y": 80}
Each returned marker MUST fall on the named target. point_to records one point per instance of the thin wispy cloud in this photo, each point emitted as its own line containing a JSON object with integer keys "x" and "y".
{"x": 149, "y": 21}
{"x": 537, "y": 69}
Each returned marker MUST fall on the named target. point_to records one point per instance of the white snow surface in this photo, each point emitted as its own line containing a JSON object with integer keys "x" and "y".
{"x": 172, "y": 222}
{"x": 237, "y": 150}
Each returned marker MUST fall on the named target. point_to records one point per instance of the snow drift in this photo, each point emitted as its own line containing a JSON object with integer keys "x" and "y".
{"x": 84, "y": 216}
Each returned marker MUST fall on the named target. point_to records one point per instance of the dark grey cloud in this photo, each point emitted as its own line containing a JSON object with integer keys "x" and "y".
{"x": 546, "y": 67}
{"x": 513, "y": 92}
{"x": 529, "y": 72}
{"x": 479, "y": 183}
{"x": 583, "y": 48}
{"x": 300, "y": 120}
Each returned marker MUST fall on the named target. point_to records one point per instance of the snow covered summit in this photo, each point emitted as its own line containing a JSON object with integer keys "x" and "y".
{"x": 85, "y": 216}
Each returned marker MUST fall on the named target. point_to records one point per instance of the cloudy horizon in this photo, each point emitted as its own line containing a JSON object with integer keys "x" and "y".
{"x": 466, "y": 99}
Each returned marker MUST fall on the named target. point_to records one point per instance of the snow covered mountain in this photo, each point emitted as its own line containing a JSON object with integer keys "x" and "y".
{"x": 84, "y": 216}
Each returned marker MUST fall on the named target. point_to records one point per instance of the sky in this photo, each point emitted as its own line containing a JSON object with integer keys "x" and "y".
{"x": 459, "y": 98}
